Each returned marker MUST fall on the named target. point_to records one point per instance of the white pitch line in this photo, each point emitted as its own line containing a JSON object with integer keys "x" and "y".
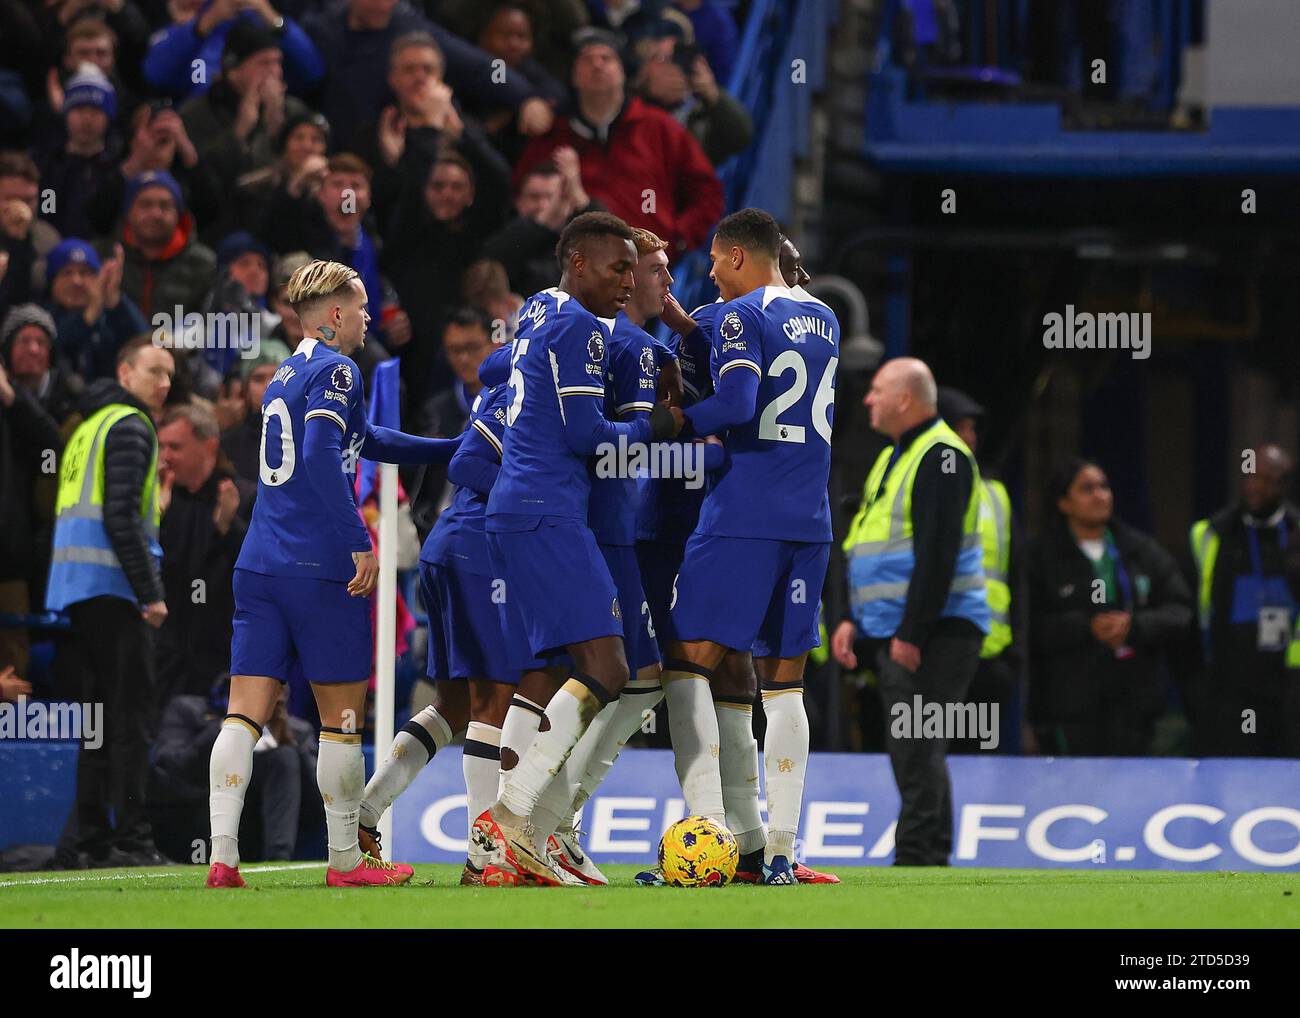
{"x": 150, "y": 876}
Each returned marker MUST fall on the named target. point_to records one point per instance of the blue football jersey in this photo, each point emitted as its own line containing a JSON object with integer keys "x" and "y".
{"x": 558, "y": 360}
{"x": 631, "y": 376}
{"x": 668, "y": 510}
{"x": 775, "y": 480}
{"x": 294, "y": 531}
{"x": 457, "y": 538}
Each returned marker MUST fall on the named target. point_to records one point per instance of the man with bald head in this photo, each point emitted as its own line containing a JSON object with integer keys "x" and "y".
{"x": 916, "y": 590}
{"x": 1247, "y": 614}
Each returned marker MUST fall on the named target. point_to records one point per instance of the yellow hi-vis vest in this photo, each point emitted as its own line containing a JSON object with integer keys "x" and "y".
{"x": 879, "y": 544}
{"x": 84, "y": 564}
{"x": 1205, "y": 553}
{"x": 995, "y": 532}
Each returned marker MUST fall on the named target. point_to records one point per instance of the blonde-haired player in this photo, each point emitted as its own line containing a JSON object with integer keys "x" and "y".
{"x": 305, "y": 573}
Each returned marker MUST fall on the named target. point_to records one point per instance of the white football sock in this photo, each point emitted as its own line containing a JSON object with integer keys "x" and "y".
{"x": 570, "y": 711}
{"x": 739, "y": 766}
{"x": 785, "y": 758}
{"x": 638, "y": 697}
{"x": 481, "y": 763}
{"x": 413, "y": 747}
{"x": 517, "y": 733}
{"x": 229, "y": 770}
{"x": 555, "y": 806}
{"x": 696, "y": 743}
{"x": 341, "y": 775}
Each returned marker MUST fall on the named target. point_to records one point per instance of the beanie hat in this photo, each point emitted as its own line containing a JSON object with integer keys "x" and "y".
{"x": 71, "y": 250}
{"x": 89, "y": 87}
{"x": 152, "y": 178}
{"x": 244, "y": 38}
{"x": 25, "y": 314}
{"x": 238, "y": 243}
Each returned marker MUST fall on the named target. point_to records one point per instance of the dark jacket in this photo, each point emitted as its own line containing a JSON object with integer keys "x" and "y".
{"x": 183, "y": 274}
{"x": 128, "y": 452}
{"x": 91, "y": 350}
{"x": 358, "y": 70}
{"x": 26, "y": 433}
{"x": 526, "y": 249}
{"x": 194, "y": 641}
{"x": 210, "y": 121}
{"x": 1075, "y": 678}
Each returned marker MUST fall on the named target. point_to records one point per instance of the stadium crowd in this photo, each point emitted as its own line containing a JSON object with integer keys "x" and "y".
{"x": 161, "y": 159}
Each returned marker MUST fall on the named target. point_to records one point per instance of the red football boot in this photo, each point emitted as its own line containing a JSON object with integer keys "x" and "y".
{"x": 371, "y": 872}
{"x": 221, "y": 875}
{"x": 509, "y": 842}
{"x": 804, "y": 875}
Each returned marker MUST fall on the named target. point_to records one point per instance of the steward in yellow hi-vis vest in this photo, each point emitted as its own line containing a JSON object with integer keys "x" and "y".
{"x": 880, "y": 546}
{"x": 105, "y": 576}
{"x": 84, "y": 563}
{"x": 917, "y": 599}
{"x": 1245, "y": 558}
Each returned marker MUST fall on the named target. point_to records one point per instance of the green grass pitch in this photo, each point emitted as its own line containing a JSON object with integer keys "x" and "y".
{"x": 293, "y": 895}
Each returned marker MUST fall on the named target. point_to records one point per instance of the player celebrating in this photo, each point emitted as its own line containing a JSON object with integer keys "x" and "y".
{"x": 474, "y": 680}
{"x": 631, "y": 379}
{"x": 753, "y": 570}
{"x": 537, "y": 517}
{"x": 305, "y": 572}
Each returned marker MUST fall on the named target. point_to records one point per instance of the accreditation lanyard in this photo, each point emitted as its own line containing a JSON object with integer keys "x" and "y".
{"x": 1121, "y": 574}
{"x": 1257, "y": 561}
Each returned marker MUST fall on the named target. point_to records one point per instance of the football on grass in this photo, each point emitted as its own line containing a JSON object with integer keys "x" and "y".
{"x": 697, "y": 852}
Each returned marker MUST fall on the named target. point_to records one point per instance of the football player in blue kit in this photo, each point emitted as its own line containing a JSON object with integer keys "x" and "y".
{"x": 305, "y": 573}
{"x": 468, "y": 659}
{"x": 537, "y": 517}
{"x": 753, "y": 570}
{"x": 668, "y": 513}
{"x": 632, "y": 379}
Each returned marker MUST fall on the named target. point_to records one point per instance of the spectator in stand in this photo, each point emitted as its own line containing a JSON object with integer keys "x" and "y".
{"x": 635, "y": 20}
{"x": 466, "y": 343}
{"x": 85, "y": 161}
{"x": 29, "y": 354}
{"x": 158, "y": 141}
{"x": 165, "y": 266}
{"x": 24, "y": 238}
{"x": 355, "y": 38}
{"x": 94, "y": 317}
{"x": 236, "y": 121}
{"x": 243, "y": 277}
{"x": 633, "y": 156}
{"x": 552, "y": 22}
{"x": 298, "y": 170}
{"x": 201, "y": 534}
{"x": 169, "y": 65}
{"x": 447, "y": 207}
{"x": 486, "y": 287}
{"x": 424, "y": 116}
{"x": 1247, "y": 615}
{"x": 240, "y": 410}
{"x": 675, "y": 76}
{"x": 63, "y": 19}
{"x": 89, "y": 40}
{"x": 505, "y": 31}
{"x": 29, "y": 445}
{"x": 1106, "y": 603}
{"x": 715, "y": 34}
{"x": 283, "y": 778}
{"x": 549, "y": 195}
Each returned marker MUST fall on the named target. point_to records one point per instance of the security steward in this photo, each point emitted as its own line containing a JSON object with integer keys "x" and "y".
{"x": 917, "y": 593}
{"x": 105, "y": 575}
